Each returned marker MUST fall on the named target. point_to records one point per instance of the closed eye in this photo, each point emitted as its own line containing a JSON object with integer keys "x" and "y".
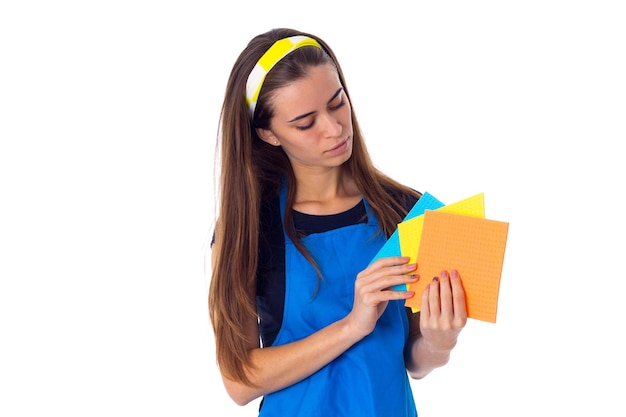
{"x": 310, "y": 125}
{"x": 337, "y": 96}
{"x": 339, "y": 105}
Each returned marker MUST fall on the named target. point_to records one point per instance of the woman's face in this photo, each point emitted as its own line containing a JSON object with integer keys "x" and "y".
{"x": 312, "y": 120}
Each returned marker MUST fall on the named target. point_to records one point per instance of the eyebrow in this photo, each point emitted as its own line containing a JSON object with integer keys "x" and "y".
{"x": 302, "y": 116}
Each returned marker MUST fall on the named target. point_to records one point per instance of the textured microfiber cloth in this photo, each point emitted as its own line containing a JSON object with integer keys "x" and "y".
{"x": 474, "y": 246}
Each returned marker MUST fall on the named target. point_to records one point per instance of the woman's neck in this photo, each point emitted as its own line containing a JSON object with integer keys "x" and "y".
{"x": 325, "y": 192}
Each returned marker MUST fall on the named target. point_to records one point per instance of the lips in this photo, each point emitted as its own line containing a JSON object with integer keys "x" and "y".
{"x": 339, "y": 146}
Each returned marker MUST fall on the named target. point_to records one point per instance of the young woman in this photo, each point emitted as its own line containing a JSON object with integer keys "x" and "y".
{"x": 300, "y": 317}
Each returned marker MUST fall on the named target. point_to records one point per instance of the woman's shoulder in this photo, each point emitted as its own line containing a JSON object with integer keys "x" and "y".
{"x": 270, "y": 211}
{"x": 405, "y": 197}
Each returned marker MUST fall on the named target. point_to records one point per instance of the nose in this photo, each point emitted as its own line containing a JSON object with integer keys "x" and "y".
{"x": 332, "y": 128}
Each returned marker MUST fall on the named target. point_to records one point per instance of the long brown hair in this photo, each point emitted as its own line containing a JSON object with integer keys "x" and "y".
{"x": 251, "y": 171}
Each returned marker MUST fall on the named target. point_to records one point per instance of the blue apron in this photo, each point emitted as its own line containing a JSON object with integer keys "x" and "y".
{"x": 370, "y": 378}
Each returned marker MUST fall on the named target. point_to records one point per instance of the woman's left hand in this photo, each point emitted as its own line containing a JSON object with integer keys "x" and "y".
{"x": 443, "y": 312}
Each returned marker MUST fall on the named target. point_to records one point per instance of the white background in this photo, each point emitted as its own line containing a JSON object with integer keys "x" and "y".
{"x": 108, "y": 119}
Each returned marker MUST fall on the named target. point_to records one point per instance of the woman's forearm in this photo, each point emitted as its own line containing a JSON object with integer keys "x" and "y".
{"x": 274, "y": 368}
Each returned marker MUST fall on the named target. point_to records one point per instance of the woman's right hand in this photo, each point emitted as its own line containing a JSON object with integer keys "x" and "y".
{"x": 372, "y": 290}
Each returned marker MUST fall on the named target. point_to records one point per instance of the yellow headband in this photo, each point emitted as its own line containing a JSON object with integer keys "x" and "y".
{"x": 277, "y": 51}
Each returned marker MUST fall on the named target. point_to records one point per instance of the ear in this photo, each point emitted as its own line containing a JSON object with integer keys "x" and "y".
{"x": 267, "y": 136}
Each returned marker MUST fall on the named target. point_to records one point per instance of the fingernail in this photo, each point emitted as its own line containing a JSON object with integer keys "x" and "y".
{"x": 435, "y": 279}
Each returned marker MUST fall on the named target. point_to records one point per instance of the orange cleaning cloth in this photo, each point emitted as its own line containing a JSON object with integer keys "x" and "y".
{"x": 473, "y": 246}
